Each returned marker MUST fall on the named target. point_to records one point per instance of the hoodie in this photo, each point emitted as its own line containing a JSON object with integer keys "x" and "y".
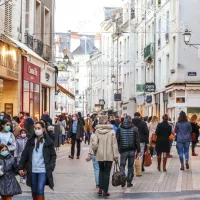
{"x": 142, "y": 128}
{"x": 104, "y": 143}
{"x": 128, "y": 137}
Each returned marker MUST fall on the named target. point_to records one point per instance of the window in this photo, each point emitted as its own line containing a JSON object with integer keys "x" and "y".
{"x": 47, "y": 27}
{"x": 159, "y": 3}
{"x": 8, "y": 18}
{"x": 152, "y": 32}
{"x": 159, "y": 33}
{"x": 124, "y": 50}
{"x": 167, "y": 23}
{"x": 149, "y": 35}
{"x": 167, "y": 68}
{"x": 27, "y": 14}
{"x": 159, "y": 75}
{"x": 120, "y": 51}
{"x": 38, "y": 27}
{"x": 128, "y": 45}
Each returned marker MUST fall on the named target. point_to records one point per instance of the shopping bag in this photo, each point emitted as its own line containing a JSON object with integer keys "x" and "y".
{"x": 147, "y": 159}
{"x": 138, "y": 169}
{"x": 118, "y": 178}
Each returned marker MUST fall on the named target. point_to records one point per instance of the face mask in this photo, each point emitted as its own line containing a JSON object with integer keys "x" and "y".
{"x": 13, "y": 122}
{"x": 74, "y": 118}
{"x": 1, "y": 117}
{"x": 7, "y": 128}
{"x": 38, "y": 132}
{"x": 23, "y": 135}
{"x": 5, "y": 153}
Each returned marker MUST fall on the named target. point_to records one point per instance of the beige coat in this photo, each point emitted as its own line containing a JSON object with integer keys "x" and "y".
{"x": 104, "y": 143}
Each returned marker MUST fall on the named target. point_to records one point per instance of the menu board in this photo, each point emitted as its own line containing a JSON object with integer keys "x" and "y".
{"x": 9, "y": 109}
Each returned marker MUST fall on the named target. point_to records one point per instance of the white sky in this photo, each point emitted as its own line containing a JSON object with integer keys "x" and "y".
{"x": 81, "y": 15}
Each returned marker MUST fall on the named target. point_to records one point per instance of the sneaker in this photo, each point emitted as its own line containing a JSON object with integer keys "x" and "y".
{"x": 194, "y": 154}
{"x": 129, "y": 185}
{"x": 106, "y": 194}
{"x": 78, "y": 157}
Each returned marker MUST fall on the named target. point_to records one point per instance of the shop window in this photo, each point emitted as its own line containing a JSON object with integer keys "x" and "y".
{"x": 26, "y": 96}
{"x": 36, "y": 103}
{"x": 192, "y": 111}
{"x": 45, "y": 99}
{"x": 180, "y": 100}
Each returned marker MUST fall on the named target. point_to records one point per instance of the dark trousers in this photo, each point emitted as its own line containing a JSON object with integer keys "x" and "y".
{"x": 38, "y": 184}
{"x": 63, "y": 139}
{"x": 74, "y": 142}
{"x": 87, "y": 137}
{"x": 130, "y": 156}
{"x": 193, "y": 146}
{"x": 104, "y": 174}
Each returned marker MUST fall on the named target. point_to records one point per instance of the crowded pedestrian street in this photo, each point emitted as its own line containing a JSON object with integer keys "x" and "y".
{"x": 74, "y": 180}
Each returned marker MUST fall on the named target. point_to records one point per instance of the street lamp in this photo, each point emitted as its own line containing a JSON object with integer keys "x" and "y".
{"x": 187, "y": 35}
{"x": 113, "y": 78}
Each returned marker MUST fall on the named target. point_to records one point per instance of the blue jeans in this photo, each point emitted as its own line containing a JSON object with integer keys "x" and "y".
{"x": 38, "y": 184}
{"x": 183, "y": 148}
{"x": 96, "y": 169}
{"x": 63, "y": 139}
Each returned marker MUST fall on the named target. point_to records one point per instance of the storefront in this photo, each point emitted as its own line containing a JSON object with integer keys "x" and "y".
{"x": 9, "y": 79}
{"x": 31, "y": 89}
{"x": 157, "y": 103}
{"x": 48, "y": 90}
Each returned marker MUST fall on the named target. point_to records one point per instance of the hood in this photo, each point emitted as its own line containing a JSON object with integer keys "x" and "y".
{"x": 136, "y": 121}
{"x": 126, "y": 124}
{"x": 103, "y": 129}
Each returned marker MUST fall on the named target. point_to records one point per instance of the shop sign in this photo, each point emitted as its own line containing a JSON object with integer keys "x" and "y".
{"x": 47, "y": 76}
{"x": 140, "y": 88}
{"x": 150, "y": 87}
{"x": 117, "y": 97}
{"x": 31, "y": 72}
{"x": 101, "y": 102}
{"x": 192, "y": 73}
{"x": 148, "y": 99}
{"x": 140, "y": 99}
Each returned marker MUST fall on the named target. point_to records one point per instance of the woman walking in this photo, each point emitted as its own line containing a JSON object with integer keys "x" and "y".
{"x": 163, "y": 131}
{"x": 183, "y": 130}
{"x": 6, "y": 137}
{"x": 195, "y": 132}
{"x": 105, "y": 148}
{"x": 40, "y": 158}
{"x": 62, "y": 124}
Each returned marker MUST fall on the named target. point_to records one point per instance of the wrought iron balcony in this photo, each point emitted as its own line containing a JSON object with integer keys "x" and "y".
{"x": 47, "y": 52}
{"x": 28, "y": 40}
{"x": 148, "y": 51}
{"x": 38, "y": 47}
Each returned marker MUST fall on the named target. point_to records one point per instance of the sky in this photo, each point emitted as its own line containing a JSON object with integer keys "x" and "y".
{"x": 84, "y": 16}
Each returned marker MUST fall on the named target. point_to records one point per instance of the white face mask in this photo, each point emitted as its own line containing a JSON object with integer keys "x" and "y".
{"x": 38, "y": 132}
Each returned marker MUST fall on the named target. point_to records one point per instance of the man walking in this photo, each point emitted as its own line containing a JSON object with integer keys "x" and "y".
{"x": 88, "y": 128}
{"x": 143, "y": 134}
{"x": 128, "y": 143}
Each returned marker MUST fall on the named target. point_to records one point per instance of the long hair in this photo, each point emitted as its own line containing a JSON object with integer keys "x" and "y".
{"x": 182, "y": 117}
{"x": 5, "y": 121}
{"x": 194, "y": 118}
{"x": 154, "y": 119}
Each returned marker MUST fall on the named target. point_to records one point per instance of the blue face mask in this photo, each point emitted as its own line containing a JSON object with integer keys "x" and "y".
{"x": 13, "y": 122}
{"x": 1, "y": 117}
{"x": 7, "y": 128}
{"x": 5, "y": 153}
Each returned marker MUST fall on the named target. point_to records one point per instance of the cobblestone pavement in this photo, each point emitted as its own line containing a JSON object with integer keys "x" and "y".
{"x": 74, "y": 180}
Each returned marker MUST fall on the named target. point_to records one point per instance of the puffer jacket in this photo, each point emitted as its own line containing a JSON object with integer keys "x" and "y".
{"x": 8, "y": 183}
{"x": 128, "y": 137}
{"x": 21, "y": 143}
{"x": 104, "y": 143}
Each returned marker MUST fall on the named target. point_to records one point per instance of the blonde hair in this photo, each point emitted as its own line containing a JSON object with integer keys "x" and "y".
{"x": 154, "y": 119}
{"x": 102, "y": 119}
{"x": 194, "y": 118}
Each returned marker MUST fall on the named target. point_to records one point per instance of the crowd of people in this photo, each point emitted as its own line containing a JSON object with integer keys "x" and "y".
{"x": 29, "y": 148}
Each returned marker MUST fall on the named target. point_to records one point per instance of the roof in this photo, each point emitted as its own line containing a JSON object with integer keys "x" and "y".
{"x": 21, "y": 46}
{"x": 65, "y": 91}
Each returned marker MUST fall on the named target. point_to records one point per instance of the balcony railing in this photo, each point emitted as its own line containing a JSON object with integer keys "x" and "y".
{"x": 159, "y": 43}
{"x": 148, "y": 51}
{"x": 167, "y": 37}
{"x": 38, "y": 47}
{"x": 47, "y": 52}
{"x": 29, "y": 40}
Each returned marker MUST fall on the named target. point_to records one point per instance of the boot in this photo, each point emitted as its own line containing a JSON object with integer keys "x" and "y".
{"x": 182, "y": 168}
{"x": 35, "y": 197}
{"x": 41, "y": 198}
{"x": 159, "y": 162}
{"x": 187, "y": 164}
{"x": 164, "y": 164}
{"x": 194, "y": 154}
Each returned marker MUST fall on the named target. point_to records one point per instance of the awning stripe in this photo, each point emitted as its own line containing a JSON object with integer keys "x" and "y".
{"x": 66, "y": 91}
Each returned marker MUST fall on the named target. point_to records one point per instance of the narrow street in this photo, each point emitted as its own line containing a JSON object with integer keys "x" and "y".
{"x": 74, "y": 180}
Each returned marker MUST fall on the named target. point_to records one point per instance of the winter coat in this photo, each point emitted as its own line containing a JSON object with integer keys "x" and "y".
{"x": 29, "y": 126}
{"x": 104, "y": 143}
{"x": 143, "y": 130}
{"x": 49, "y": 155}
{"x": 8, "y": 183}
{"x": 195, "y": 129}
{"x": 62, "y": 126}
{"x": 114, "y": 128}
{"x": 163, "y": 131}
{"x": 88, "y": 126}
{"x": 8, "y": 141}
{"x": 79, "y": 131}
{"x": 128, "y": 137}
{"x": 21, "y": 143}
{"x": 183, "y": 131}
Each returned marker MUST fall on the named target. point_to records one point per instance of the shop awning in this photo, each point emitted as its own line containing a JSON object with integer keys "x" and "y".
{"x": 62, "y": 89}
{"x": 20, "y": 45}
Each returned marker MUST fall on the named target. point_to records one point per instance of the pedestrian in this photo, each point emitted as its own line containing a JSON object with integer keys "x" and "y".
{"x": 40, "y": 158}
{"x": 112, "y": 123}
{"x": 47, "y": 117}
{"x": 117, "y": 121}
{"x": 152, "y": 130}
{"x": 129, "y": 144}
{"x": 88, "y": 129}
{"x": 105, "y": 148}
{"x": 29, "y": 125}
{"x": 21, "y": 141}
{"x": 76, "y": 135}
{"x": 143, "y": 135}
{"x": 170, "y": 141}
{"x": 92, "y": 157}
{"x": 6, "y": 137}
{"x": 22, "y": 119}
{"x": 163, "y": 131}
{"x": 9, "y": 186}
{"x": 183, "y": 130}
{"x": 62, "y": 124}
{"x": 195, "y": 131}
{"x": 81, "y": 119}
{"x": 16, "y": 126}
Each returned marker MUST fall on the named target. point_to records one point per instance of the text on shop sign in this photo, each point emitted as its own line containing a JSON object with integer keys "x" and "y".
{"x": 32, "y": 71}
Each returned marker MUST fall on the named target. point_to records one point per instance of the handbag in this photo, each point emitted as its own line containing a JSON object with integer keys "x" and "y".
{"x": 138, "y": 169}
{"x": 147, "y": 159}
{"x": 194, "y": 137}
{"x": 171, "y": 137}
{"x": 118, "y": 178}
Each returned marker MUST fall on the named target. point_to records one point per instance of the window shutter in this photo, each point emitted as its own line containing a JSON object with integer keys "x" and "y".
{"x": 8, "y": 18}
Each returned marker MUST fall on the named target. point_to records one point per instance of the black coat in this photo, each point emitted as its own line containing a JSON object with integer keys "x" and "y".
{"x": 79, "y": 131}
{"x": 128, "y": 137}
{"x": 49, "y": 159}
{"x": 8, "y": 183}
{"x": 29, "y": 126}
{"x": 163, "y": 131}
{"x": 195, "y": 129}
{"x": 143, "y": 130}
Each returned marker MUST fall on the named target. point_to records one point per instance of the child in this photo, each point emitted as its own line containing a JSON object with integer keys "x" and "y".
{"x": 8, "y": 183}
{"x": 21, "y": 143}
